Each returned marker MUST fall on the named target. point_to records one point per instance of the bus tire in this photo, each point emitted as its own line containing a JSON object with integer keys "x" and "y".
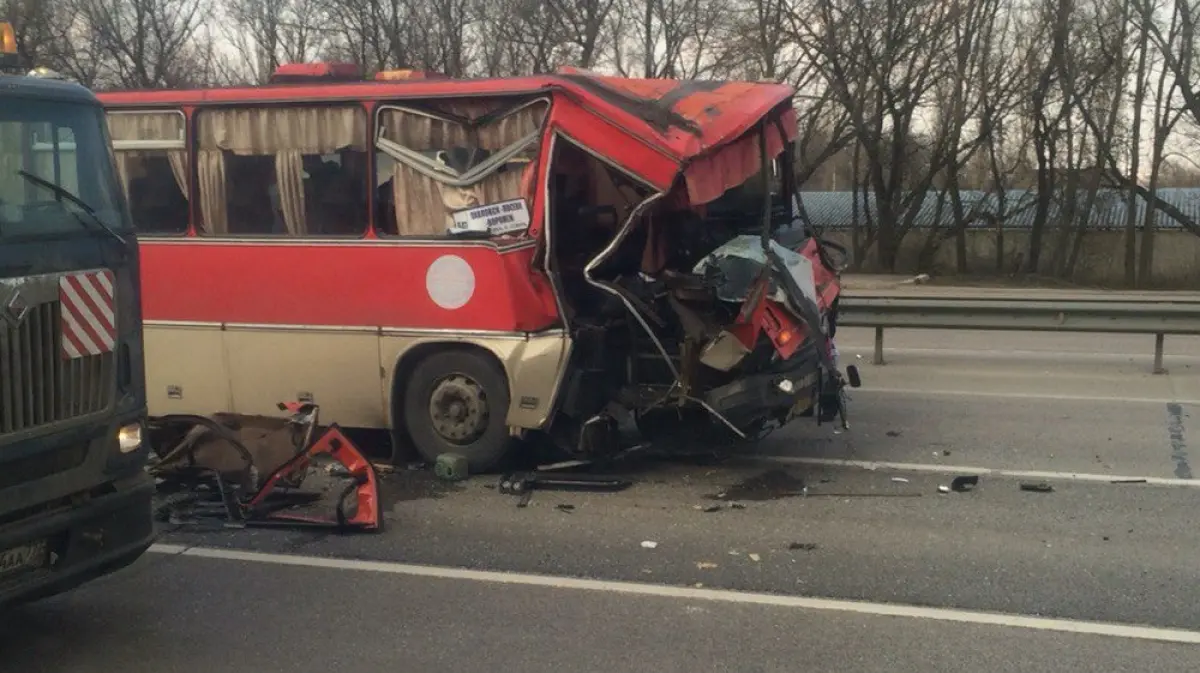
{"x": 457, "y": 402}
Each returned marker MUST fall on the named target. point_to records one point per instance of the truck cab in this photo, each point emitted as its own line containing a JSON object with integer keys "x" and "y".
{"x": 75, "y": 500}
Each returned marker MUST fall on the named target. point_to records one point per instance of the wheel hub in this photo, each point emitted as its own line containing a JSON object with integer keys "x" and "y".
{"x": 458, "y": 409}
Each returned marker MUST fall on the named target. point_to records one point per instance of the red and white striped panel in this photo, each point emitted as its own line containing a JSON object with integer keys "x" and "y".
{"x": 89, "y": 314}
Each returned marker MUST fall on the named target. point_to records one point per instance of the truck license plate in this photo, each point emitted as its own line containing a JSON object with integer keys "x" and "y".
{"x": 25, "y": 557}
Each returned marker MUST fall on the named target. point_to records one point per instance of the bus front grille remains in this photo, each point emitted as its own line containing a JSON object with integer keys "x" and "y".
{"x": 38, "y": 386}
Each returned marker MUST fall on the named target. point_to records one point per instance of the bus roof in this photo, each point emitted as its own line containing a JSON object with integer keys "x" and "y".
{"x": 683, "y": 120}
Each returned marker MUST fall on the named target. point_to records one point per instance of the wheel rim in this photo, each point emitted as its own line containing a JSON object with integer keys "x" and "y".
{"x": 458, "y": 409}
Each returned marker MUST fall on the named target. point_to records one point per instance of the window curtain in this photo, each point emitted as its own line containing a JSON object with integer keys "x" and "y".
{"x": 424, "y": 205}
{"x": 287, "y": 134}
{"x": 163, "y": 126}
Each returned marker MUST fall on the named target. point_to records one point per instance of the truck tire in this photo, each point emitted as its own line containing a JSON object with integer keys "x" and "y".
{"x": 457, "y": 402}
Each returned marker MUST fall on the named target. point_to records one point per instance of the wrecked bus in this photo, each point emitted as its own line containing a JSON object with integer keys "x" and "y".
{"x": 75, "y": 502}
{"x": 469, "y": 262}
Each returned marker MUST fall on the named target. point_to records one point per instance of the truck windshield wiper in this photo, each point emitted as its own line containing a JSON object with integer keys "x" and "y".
{"x": 93, "y": 218}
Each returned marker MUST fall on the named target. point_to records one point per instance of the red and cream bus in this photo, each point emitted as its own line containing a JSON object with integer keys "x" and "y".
{"x": 467, "y": 262}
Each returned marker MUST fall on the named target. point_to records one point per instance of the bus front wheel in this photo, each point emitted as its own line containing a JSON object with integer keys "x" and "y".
{"x": 457, "y": 402}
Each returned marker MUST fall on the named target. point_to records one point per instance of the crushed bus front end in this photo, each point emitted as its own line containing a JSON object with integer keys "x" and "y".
{"x": 685, "y": 310}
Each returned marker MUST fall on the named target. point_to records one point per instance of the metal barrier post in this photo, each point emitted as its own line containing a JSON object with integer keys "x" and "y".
{"x": 878, "y": 345}
{"x": 1158, "y": 354}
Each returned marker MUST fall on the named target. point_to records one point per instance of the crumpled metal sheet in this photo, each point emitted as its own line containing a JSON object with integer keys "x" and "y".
{"x": 737, "y": 264}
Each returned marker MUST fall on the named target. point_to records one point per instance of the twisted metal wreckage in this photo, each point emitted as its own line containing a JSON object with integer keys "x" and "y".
{"x": 213, "y": 473}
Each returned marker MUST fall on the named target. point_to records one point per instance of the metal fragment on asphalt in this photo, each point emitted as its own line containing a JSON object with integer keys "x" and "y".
{"x": 1038, "y": 487}
{"x": 964, "y": 483}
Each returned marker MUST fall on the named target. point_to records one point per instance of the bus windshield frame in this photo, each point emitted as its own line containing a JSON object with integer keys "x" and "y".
{"x": 66, "y": 144}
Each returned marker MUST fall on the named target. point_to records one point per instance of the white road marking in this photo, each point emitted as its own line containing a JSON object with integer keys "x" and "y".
{"x": 1025, "y": 395}
{"x": 867, "y": 351}
{"x": 1040, "y": 475}
{"x": 662, "y": 591}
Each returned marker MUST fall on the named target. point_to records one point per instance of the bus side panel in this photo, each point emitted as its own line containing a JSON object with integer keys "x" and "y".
{"x": 186, "y": 369}
{"x": 246, "y": 324}
{"x": 337, "y": 369}
{"x": 402, "y": 284}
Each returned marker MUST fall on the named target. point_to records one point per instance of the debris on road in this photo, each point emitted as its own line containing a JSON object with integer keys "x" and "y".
{"x": 718, "y": 506}
{"x": 1128, "y": 481}
{"x": 943, "y": 489}
{"x": 649, "y": 544}
{"x": 754, "y": 557}
{"x": 212, "y": 473}
{"x": 1037, "y": 487}
{"x": 964, "y": 483}
{"x": 864, "y": 495}
{"x": 772, "y": 484}
{"x": 524, "y": 483}
{"x": 899, "y": 480}
{"x": 802, "y": 546}
{"x": 705, "y": 565}
{"x": 451, "y": 467}
{"x": 563, "y": 465}
{"x": 893, "y": 433}
{"x": 565, "y": 508}
{"x": 383, "y": 468}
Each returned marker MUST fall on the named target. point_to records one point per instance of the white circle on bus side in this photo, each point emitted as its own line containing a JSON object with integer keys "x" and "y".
{"x": 450, "y": 282}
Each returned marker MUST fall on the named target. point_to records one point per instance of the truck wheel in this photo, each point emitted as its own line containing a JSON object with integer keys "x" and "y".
{"x": 457, "y": 402}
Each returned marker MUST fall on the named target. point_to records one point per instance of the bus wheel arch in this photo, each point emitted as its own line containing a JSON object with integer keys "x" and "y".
{"x": 451, "y": 398}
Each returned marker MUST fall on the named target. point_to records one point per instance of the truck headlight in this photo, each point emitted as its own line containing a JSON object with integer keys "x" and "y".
{"x": 129, "y": 438}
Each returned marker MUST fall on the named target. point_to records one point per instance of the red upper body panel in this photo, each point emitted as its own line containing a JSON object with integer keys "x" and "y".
{"x": 680, "y": 120}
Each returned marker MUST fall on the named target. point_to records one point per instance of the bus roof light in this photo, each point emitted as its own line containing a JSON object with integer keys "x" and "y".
{"x": 406, "y": 74}
{"x": 300, "y": 73}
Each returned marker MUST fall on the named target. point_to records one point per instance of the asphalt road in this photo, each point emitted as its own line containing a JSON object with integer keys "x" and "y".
{"x": 1092, "y": 576}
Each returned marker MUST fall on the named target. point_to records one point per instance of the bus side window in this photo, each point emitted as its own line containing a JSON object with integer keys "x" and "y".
{"x": 152, "y": 161}
{"x": 457, "y": 141}
{"x": 288, "y": 171}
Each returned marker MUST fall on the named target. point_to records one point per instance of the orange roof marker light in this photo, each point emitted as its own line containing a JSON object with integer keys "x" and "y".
{"x": 8, "y": 46}
{"x": 305, "y": 73}
{"x": 406, "y": 74}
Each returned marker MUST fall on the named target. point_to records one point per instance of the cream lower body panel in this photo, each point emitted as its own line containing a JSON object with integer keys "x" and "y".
{"x": 208, "y": 368}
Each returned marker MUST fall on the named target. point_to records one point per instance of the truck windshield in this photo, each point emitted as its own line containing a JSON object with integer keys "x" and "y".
{"x": 60, "y": 145}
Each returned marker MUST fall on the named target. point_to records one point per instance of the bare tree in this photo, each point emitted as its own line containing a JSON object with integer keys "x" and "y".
{"x": 266, "y": 33}
{"x": 144, "y": 43}
{"x": 887, "y": 63}
{"x": 673, "y": 39}
{"x": 583, "y": 25}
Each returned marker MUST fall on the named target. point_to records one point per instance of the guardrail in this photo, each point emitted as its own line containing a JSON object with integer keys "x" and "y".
{"x": 1115, "y": 315}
